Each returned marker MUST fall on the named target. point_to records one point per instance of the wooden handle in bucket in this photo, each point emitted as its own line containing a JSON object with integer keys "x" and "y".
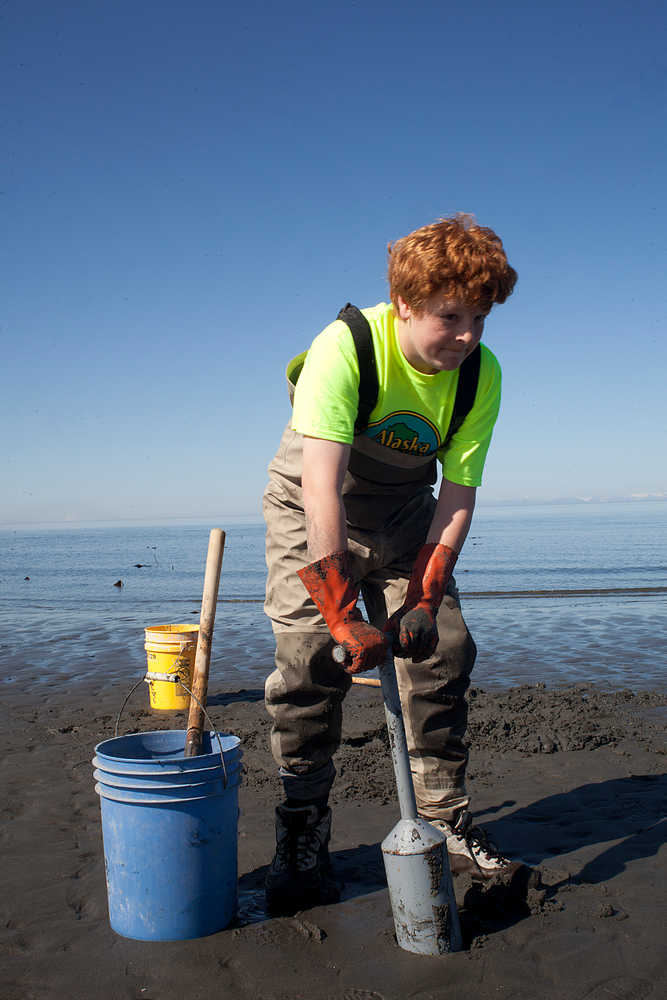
{"x": 216, "y": 545}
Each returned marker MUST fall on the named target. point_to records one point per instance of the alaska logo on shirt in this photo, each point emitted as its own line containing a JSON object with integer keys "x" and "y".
{"x": 407, "y": 432}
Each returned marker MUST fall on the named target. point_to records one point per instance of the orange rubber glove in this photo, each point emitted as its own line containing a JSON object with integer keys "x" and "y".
{"x": 413, "y": 627}
{"x": 329, "y": 583}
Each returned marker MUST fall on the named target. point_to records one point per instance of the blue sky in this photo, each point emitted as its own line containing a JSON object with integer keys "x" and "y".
{"x": 190, "y": 191}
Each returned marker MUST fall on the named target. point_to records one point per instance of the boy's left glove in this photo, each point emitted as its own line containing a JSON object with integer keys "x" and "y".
{"x": 413, "y": 627}
{"x": 329, "y": 582}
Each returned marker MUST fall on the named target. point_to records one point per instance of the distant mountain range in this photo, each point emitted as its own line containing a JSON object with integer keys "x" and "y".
{"x": 529, "y": 501}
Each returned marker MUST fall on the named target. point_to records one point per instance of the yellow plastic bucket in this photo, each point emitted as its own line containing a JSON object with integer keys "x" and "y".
{"x": 170, "y": 649}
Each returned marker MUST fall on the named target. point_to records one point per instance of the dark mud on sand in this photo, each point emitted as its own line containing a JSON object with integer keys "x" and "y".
{"x": 571, "y": 780}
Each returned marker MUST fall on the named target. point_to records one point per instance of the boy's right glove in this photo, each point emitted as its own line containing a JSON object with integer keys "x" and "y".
{"x": 329, "y": 583}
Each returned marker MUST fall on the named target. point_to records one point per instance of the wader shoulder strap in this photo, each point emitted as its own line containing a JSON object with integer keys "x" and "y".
{"x": 368, "y": 379}
{"x": 466, "y": 388}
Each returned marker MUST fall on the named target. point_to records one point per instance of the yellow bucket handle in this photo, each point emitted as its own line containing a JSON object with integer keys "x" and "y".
{"x": 186, "y": 647}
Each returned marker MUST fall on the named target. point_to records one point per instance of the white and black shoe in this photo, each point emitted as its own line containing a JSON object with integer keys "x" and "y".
{"x": 300, "y": 873}
{"x": 472, "y": 852}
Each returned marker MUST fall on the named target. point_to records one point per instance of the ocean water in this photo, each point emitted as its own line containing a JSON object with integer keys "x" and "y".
{"x": 558, "y": 594}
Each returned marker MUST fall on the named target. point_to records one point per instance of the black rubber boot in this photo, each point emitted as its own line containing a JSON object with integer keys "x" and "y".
{"x": 300, "y": 873}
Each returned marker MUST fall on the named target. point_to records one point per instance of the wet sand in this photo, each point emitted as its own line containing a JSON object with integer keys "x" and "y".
{"x": 572, "y": 780}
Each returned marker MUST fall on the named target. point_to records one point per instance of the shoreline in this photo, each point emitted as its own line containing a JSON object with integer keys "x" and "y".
{"x": 520, "y": 641}
{"x": 572, "y": 780}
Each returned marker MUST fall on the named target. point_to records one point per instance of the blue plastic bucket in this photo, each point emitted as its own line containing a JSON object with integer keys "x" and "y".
{"x": 170, "y": 830}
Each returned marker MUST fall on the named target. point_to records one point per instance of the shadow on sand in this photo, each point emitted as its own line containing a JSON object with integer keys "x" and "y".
{"x": 230, "y": 697}
{"x": 628, "y": 810}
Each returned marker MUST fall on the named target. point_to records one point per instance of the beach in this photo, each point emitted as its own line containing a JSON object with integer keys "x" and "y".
{"x": 570, "y": 779}
{"x": 567, "y": 769}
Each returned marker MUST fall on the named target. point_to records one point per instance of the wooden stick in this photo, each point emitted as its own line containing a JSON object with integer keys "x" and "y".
{"x": 193, "y": 739}
{"x": 373, "y": 682}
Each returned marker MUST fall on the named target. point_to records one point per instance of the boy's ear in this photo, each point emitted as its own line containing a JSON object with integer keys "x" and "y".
{"x": 404, "y": 310}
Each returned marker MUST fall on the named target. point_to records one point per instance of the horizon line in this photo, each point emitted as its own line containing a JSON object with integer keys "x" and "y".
{"x": 256, "y": 518}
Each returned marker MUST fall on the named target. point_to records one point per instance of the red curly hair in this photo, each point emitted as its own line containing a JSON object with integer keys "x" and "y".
{"x": 456, "y": 256}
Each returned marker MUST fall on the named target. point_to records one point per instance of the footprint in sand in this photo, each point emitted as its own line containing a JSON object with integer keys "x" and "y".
{"x": 620, "y": 988}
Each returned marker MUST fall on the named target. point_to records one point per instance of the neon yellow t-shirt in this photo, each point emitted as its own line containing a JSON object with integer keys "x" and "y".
{"x": 413, "y": 410}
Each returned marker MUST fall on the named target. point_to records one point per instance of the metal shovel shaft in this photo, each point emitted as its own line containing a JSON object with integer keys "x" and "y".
{"x": 397, "y": 741}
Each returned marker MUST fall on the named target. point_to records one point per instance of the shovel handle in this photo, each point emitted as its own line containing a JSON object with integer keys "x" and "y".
{"x": 193, "y": 739}
{"x": 339, "y": 655}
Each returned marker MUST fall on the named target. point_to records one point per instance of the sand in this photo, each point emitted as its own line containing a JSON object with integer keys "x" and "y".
{"x": 571, "y": 780}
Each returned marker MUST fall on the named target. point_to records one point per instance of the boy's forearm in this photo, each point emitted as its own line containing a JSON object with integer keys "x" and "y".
{"x": 324, "y": 465}
{"x": 453, "y": 515}
{"x": 325, "y": 527}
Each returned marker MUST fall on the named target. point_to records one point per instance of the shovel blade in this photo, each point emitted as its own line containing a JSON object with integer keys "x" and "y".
{"x": 420, "y": 889}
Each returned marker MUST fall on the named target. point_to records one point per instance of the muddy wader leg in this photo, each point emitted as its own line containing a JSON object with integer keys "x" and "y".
{"x": 303, "y": 697}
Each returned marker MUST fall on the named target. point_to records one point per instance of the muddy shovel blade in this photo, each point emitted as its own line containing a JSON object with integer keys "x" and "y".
{"x": 415, "y": 855}
{"x": 420, "y": 889}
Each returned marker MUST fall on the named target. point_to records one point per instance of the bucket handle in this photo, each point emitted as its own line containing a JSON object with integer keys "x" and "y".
{"x": 175, "y": 679}
{"x": 186, "y": 647}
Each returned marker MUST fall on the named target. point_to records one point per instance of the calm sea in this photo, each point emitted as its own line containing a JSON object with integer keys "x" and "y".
{"x": 556, "y": 594}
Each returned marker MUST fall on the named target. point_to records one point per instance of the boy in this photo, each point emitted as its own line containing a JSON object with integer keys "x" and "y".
{"x": 351, "y": 508}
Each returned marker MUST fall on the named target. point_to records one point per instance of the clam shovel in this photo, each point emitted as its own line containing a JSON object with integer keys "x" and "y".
{"x": 414, "y": 852}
